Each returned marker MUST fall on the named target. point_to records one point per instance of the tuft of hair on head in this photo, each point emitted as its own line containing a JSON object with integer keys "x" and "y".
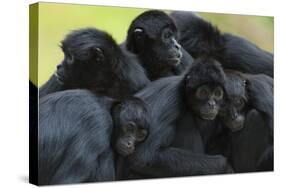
{"x": 151, "y": 17}
{"x": 204, "y": 70}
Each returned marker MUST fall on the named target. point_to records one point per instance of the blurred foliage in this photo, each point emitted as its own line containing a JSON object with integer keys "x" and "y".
{"x": 56, "y": 20}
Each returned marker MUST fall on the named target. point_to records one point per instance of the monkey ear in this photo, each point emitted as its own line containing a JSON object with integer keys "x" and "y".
{"x": 69, "y": 58}
{"x": 98, "y": 54}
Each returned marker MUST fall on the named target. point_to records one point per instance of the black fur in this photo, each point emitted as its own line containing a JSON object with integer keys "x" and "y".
{"x": 260, "y": 92}
{"x": 110, "y": 71}
{"x": 250, "y": 147}
{"x": 257, "y": 92}
{"x": 206, "y": 70}
{"x": 149, "y": 49}
{"x": 196, "y": 35}
{"x": 157, "y": 157}
{"x": 74, "y": 138}
{"x": 199, "y": 37}
{"x": 266, "y": 161}
{"x": 77, "y": 135}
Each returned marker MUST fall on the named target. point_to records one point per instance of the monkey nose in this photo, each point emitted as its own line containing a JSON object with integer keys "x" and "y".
{"x": 212, "y": 104}
{"x": 234, "y": 116}
{"x": 129, "y": 144}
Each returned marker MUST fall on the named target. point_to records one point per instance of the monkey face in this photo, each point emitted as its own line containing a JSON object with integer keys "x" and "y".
{"x": 130, "y": 134}
{"x": 235, "y": 104}
{"x": 166, "y": 48}
{"x": 131, "y": 122}
{"x": 206, "y": 101}
{"x": 233, "y": 113}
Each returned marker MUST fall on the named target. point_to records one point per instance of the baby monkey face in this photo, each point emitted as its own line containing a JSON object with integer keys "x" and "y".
{"x": 129, "y": 136}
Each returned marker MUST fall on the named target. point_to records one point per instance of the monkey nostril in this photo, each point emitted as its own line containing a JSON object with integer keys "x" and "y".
{"x": 211, "y": 104}
{"x": 177, "y": 46}
{"x": 129, "y": 144}
{"x": 178, "y": 56}
{"x": 234, "y": 116}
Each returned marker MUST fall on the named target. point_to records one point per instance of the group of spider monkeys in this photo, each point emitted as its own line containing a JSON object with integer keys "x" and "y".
{"x": 176, "y": 98}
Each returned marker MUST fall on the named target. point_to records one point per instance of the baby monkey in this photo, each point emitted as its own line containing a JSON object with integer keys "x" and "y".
{"x": 131, "y": 127}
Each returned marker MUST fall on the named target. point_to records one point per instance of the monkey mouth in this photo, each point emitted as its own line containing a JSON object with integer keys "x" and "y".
{"x": 174, "y": 60}
{"x": 235, "y": 126}
{"x": 125, "y": 151}
{"x": 208, "y": 116}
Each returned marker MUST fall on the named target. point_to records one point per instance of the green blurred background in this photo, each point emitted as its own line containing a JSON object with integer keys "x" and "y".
{"x": 56, "y": 20}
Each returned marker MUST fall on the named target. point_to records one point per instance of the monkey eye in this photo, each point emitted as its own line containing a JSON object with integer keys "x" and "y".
{"x": 202, "y": 92}
{"x": 130, "y": 127}
{"x": 166, "y": 35}
{"x": 239, "y": 103}
{"x": 218, "y": 93}
{"x": 141, "y": 134}
{"x": 138, "y": 32}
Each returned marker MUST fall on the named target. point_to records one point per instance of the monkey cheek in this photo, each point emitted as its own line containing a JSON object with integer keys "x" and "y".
{"x": 124, "y": 150}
